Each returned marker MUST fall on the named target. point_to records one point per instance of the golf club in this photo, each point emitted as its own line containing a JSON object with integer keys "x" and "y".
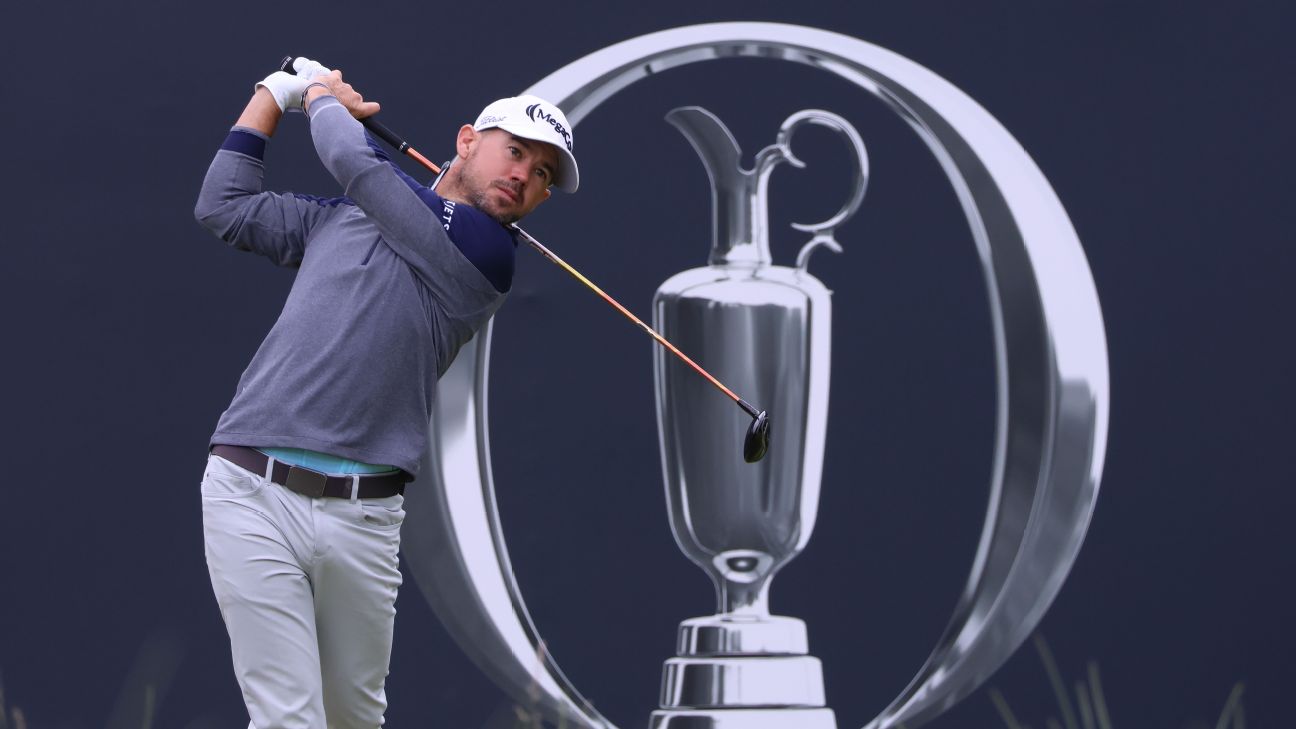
{"x": 756, "y": 442}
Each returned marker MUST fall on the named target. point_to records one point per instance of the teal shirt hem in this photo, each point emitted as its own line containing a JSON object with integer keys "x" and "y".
{"x": 322, "y": 462}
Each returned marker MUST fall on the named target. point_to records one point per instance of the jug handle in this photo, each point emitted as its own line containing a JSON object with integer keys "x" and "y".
{"x": 823, "y": 233}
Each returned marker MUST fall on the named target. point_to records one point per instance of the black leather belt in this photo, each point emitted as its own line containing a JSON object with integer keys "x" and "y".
{"x": 313, "y": 483}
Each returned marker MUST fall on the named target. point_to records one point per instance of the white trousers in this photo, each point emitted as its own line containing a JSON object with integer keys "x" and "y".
{"x": 307, "y": 588}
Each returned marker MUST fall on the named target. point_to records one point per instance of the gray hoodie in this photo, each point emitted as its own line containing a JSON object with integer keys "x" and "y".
{"x": 393, "y": 281}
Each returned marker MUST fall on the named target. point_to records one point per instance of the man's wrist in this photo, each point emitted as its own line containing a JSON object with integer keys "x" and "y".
{"x": 310, "y": 94}
{"x": 262, "y": 112}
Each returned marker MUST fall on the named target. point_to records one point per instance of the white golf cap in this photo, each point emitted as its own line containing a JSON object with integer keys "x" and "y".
{"x": 531, "y": 117}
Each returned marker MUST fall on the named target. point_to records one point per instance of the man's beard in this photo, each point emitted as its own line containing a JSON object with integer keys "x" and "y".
{"x": 478, "y": 199}
{"x": 478, "y": 191}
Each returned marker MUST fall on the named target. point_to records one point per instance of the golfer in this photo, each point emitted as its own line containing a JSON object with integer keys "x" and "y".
{"x": 302, "y": 496}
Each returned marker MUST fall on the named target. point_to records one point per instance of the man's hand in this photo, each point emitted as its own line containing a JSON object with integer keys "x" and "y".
{"x": 348, "y": 96}
{"x": 285, "y": 88}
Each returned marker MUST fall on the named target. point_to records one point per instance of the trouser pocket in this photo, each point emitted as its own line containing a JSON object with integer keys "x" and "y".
{"x": 224, "y": 480}
{"x": 386, "y": 513}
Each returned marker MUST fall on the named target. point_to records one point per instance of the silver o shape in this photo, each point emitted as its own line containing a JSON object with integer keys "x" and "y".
{"x": 1051, "y": 406}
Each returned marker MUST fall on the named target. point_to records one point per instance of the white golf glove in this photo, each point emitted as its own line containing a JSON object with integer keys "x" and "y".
{"x": 286, "y": 89}
{"x": 308, "y": 69}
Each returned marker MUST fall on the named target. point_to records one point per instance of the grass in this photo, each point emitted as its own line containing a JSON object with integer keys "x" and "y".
{"x": 19, "y": 721}
{"x": 532, "y": 718}
{"x": 1082, "y": 705}
{"x": 1085, "y": 707}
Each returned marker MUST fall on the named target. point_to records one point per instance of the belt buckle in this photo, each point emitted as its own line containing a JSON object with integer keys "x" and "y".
{"x": 306, "y": 482}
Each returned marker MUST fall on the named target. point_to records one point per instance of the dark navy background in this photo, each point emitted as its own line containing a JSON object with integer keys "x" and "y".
{"x": 1165, "y": 128}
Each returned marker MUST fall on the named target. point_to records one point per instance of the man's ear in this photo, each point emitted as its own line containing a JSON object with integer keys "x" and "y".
{"x": 465, "y": 140}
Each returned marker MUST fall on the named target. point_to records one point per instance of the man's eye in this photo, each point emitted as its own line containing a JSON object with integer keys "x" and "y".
{"x": 543, "y": 175}
{"x": 515, "y": 151}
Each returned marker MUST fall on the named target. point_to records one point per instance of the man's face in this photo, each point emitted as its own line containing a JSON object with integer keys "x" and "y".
{"x": 505, "y": 176}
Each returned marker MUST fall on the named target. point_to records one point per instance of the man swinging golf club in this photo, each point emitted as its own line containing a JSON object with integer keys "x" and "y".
{"x": 303, "y": 489}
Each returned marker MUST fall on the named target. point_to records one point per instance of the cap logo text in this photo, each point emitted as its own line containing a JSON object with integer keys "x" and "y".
{"x": 537, "y": 114}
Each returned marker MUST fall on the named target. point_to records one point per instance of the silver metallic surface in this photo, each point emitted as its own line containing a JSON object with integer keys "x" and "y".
{"x": 741, "y": 522}
{"x": 766, "y": 330}
{"x": 720, "y": 635}
{"x": 740, "y": 198}
{"x": 744, "y": 681}
{"x": 748, "y": 719}
{"x": 1052, "y": 390}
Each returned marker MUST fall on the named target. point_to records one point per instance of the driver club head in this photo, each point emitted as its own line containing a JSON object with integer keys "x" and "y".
{"x": 757, "y": 441}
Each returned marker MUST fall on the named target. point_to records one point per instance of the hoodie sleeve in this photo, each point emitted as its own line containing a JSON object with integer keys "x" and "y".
{"x": 232, "y": 205}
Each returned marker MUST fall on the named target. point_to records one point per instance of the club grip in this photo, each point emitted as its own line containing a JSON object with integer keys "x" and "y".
{"x": 377, "y": 128}
{"x": 381, "y": 131}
